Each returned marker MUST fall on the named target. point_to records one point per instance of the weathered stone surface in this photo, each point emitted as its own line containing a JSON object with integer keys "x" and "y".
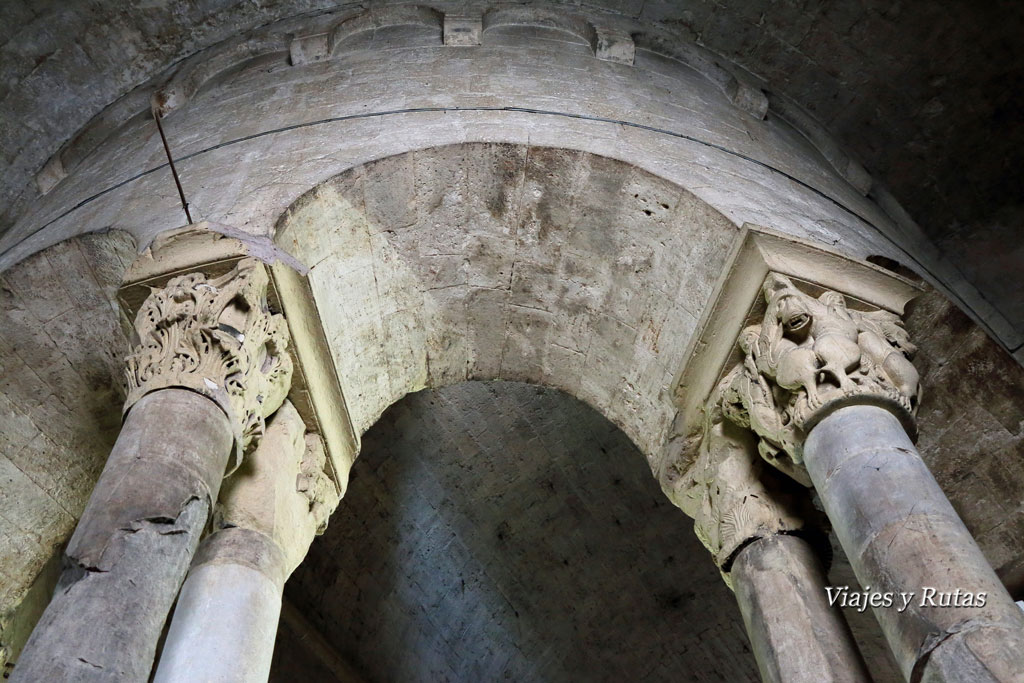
{"x": 796, "y": 635}
{"x": 60, "y": 392}
{"x": 462, "y": 31}
{"x": 130, "y": 551}
{"x": 496, "y": 261}
{"x": 64, "y": 63}
{"x": 733, "y": 495}
{"x": 902, "y": 535}
{"x": 531, "y": 72}
{"x": 306, "y": 49}
{"x": 971, "y": 425}
{"x": 218, "y": 338}
{"x": 268, "y": 513}
{"x": 757, "y": 524}
{"x": 951, "y": 349}
{"x": 989, "y": 496}
{"x": 281, "y": 491}
{"x": 16, "y": 624}
{"x": 810, "y": 356}
{"x": 613, "y": 46}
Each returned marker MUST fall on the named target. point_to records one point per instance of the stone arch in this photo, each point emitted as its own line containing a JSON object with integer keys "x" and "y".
{"x": 508, "y": 262}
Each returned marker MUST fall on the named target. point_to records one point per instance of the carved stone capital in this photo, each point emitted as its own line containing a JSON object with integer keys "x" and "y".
{"x": 282, "y": 490}
{"x": 217, "y": 337}
{"x": 731, "y": 493}
{"x": 808, "y": 357}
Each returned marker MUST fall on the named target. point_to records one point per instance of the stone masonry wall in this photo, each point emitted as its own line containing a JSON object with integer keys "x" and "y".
{"x": 506, "y": 262}
{"x": 60, "y": 398}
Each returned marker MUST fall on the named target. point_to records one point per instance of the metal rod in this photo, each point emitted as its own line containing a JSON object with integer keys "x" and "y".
{"x": 174, "y": 171}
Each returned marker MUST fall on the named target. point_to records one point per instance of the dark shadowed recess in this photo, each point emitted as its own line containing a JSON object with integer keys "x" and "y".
{"x": 508, "y": 532}
{"x": 502, "y": 531}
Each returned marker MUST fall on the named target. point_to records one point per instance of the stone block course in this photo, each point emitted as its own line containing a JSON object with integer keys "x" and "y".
{"x": 59, "y": 396}
{"x": 573, "y": 294}
{"x": 462, "y": 31}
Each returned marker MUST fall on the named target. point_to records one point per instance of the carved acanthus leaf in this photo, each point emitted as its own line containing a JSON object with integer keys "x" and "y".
{"x": 215, "y": 336}
{"x": 810, "y": 356}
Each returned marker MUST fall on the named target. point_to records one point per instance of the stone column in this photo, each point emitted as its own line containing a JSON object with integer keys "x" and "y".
{"x": 757, "y": 524}
{"x": 225, "y": 623}
{"x": 902, "y": 535}
{"x": 831, "y": 393}
{"x": 207, "y": 366}
{"x": 795, "y": 634}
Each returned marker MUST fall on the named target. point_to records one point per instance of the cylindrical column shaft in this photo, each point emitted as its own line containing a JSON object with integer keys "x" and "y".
{"x": 903, "y": 538}
{"x": 133, "y": 545}
{"x": 225, "y": 623}
{"x": 796, "y": 636}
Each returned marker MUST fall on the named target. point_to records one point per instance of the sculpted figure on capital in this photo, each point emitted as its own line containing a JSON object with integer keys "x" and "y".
{"x": 733, "y": 496}
{"x": 282, "y": 489}
{"x": 809, "y": 355}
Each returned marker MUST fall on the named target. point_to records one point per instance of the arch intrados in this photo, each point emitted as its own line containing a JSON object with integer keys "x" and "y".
{"x": 549, "y": 266}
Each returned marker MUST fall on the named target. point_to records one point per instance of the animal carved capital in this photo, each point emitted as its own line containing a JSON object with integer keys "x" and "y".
{"x": 733, "y": 496}
{"x": 810, "y": 356}
{"x": 217, "y": 337}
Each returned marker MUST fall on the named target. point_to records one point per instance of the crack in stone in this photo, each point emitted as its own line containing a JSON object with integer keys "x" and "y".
{"x": 934, "y": 640}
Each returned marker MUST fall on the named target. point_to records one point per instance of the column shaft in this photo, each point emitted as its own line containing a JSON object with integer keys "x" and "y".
{"x": 902, "y": 535}
{"x": 796, "y": 636}
{"x": 134, "y": 543}
{"x": 225, "y": 622}
{"x": 270, "y": 510}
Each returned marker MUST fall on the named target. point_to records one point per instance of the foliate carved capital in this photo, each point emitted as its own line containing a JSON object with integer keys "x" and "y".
{"x": 217, "y": 337}
{"x": 809, "y": 356}
{"x": 733, "y": 496}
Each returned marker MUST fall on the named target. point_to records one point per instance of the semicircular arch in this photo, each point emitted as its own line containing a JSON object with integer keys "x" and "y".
{"x": 506, "y": 262}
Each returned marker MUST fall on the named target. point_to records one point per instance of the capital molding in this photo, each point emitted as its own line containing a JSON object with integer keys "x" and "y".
{"x": 738, "y": 303}
{"x": 215, "y": 336}
{"x": 208, "y": 251}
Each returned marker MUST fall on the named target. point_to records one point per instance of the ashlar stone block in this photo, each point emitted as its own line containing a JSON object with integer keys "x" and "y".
{"x": 306, "y": 49}
{"x": 613, "y": 46}
{"x": 461, "y": 30}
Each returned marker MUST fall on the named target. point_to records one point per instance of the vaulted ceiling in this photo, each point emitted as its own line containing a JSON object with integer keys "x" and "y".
{"x": 924, "y": 94}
